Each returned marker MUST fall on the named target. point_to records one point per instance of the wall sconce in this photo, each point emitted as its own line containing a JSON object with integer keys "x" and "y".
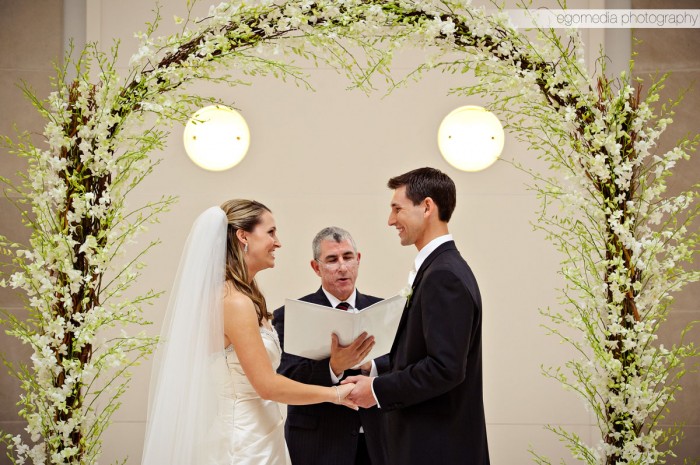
{"x": 470, "y": 138}
{"x": 216, "y": 138}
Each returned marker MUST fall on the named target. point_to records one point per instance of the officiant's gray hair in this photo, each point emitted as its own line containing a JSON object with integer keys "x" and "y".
{"x": 331, "y": 233}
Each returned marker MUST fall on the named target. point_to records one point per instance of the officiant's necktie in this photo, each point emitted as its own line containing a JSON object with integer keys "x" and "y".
{"x": 343, "y": 305}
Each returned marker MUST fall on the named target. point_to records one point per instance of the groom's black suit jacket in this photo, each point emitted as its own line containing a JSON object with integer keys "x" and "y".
{"x": 327, "y": 434}
{"x": 433, "y": 396}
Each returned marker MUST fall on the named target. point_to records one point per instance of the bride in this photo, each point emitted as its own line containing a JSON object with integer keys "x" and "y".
{"x": 214, "y": 390}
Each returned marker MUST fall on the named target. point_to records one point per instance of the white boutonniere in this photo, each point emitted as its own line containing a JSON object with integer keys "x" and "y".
{"x": 407, "y": 291}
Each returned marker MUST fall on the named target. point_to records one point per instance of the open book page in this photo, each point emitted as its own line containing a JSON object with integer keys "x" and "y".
{"x": 308, "y": 327}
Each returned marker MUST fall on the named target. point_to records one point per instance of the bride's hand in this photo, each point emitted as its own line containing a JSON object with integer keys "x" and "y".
{"x": 342, "y": 392}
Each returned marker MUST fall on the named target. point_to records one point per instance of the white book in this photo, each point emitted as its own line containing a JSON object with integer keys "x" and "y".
{"x": 308, "y": 327}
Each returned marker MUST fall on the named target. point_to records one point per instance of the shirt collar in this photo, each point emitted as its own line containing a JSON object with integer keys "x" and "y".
{"x": 430, "y": 248}
{"x": 335, "y": 301}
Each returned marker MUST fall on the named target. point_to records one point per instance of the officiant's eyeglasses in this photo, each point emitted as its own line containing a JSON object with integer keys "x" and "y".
{"x": 336, "y": 263}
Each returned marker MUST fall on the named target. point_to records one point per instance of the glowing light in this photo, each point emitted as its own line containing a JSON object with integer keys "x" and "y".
{"x": 470, "y": 138}
{"x": 216, "y": 138}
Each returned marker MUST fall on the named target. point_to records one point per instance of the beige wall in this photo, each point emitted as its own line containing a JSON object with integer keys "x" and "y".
{"x": 30, "y": 40}
{"x": 321, "y": 158}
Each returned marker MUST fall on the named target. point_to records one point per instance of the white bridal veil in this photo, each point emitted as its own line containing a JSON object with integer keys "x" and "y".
{"x": 189, "y": 364}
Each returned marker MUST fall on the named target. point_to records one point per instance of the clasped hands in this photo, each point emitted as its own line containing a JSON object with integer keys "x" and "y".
{"x": 355, "y": 391}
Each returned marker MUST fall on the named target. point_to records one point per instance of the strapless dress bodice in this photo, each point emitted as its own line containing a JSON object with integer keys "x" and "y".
{"x": 249, "y": 429}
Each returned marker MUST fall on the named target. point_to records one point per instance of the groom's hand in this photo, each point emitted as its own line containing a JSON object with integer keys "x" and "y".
{"x": 362, "y": 394}
{"x": 346, "y": 357}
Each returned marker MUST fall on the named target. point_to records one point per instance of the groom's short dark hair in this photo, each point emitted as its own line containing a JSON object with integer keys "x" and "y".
{"x": 428, "y": 182}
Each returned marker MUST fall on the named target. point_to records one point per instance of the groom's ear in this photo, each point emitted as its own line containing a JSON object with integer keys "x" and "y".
{"x": 430, "y": 207}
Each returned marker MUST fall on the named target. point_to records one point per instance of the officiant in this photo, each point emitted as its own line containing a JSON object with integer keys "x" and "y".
{"x": 327, "y": 434}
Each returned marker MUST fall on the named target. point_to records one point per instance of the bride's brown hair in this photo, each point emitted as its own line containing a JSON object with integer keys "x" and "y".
{"x": 243, "y": 214}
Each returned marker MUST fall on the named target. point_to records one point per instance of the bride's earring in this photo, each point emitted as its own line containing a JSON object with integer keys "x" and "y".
{"x": 245, "y": 248}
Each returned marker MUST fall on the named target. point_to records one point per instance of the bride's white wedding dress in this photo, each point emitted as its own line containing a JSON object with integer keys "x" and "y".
{"x": 249, "y": 430}
{"x": 202, "y": 408}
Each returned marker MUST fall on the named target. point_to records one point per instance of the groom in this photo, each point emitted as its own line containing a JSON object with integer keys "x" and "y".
{"x": 432, "y": 396}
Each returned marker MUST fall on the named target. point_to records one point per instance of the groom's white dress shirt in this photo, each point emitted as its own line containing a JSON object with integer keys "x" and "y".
{"x": 427, "y": 250}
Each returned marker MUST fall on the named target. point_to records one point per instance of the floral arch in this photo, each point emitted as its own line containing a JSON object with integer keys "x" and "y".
{"x": 624, "y": 243}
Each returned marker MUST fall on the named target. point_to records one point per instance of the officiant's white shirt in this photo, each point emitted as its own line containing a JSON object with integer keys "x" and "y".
{"x": 335, "y": 301}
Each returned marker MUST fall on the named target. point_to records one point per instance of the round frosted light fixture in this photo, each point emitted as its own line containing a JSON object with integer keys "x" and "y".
{"x": 216, "y": 138}
{"x": 470, "y": 138}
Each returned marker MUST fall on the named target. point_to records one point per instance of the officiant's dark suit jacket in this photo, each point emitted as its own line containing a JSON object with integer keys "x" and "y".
{"x": 327, "y": 434}
{"x": 433, "y": 396}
